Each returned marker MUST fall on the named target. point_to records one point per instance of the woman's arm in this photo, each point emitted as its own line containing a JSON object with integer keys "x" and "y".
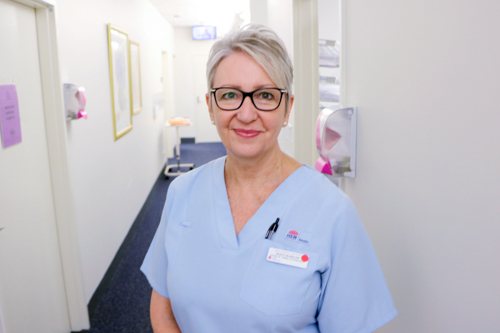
{"x": 162, "y": 317}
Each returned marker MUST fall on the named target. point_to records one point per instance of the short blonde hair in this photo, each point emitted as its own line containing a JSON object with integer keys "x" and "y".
{"x": 262, "y": 44}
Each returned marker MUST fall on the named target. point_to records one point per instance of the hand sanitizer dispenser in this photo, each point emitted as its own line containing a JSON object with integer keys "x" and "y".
{"x": 336, "y": 141}
{"x": 74, "y": 101}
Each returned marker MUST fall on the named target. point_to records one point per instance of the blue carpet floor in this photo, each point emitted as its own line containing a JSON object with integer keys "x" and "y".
{"x": 121, "y": 302}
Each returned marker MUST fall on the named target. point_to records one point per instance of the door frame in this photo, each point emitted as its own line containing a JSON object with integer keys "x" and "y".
{"x": 55, "y": 126}
{"x": 306, "y": 79}
{"x": 168, "y": 151}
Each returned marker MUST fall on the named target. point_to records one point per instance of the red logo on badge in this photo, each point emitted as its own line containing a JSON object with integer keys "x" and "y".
{"x": 292, "y": 235}
{"x": 305, "y": 258}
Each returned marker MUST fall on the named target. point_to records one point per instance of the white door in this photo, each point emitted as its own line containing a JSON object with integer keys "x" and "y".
{"x": 31, "y": 278}
{"x": 205, "y": 131}
{"x": 2, "y": 326}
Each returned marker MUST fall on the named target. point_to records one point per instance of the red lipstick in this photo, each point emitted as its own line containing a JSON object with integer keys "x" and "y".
{"x": 246, "y": 133}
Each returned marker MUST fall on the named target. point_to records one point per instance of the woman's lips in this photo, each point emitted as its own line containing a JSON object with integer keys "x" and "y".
{"x": 244, "y": 133}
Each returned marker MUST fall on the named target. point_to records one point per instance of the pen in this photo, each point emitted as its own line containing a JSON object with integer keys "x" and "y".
{"x": 272, "y": 229}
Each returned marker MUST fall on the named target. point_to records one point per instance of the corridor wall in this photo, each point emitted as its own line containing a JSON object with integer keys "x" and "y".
{"x": 110, "y": 179}
{"x": 278, "y": 15}
{"x": 190, "y": 61}
{"x": 425, "y": 78}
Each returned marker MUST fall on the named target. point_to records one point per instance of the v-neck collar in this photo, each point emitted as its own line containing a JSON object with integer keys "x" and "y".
{"x": 273, "y": 207}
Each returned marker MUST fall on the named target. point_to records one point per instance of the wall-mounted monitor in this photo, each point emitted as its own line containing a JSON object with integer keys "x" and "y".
{"x": 204, "y": 32}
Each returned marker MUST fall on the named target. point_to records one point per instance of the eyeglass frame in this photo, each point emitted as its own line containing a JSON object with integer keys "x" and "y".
{"x": 249, "y": 94}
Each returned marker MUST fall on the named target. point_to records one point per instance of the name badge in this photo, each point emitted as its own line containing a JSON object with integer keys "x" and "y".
{"x": 287, "y": 257}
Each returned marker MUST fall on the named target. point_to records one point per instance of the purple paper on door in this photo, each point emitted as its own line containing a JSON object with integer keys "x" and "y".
{"x": 10, "y": 123}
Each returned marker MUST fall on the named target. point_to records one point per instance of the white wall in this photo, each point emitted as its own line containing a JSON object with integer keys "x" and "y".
{"x": 280, "y": 19}
{"x": 425, "y": 76}
{"x": 329, "y": 19}
{"x": 278, "y": 15}
{"x": 110, "y": 179}
{"x": 190, "y": 63}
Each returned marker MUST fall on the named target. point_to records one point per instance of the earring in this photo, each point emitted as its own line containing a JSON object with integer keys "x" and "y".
{"x": 213, "y": 122}
{"x": 284, "y": 124}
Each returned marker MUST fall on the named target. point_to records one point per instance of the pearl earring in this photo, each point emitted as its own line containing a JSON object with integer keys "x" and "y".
{"x": 284, "y": 124}
{"x": 213, "y": 122}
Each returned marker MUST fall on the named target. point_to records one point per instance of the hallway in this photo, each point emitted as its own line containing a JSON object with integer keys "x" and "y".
{"x": 121, "y": 302}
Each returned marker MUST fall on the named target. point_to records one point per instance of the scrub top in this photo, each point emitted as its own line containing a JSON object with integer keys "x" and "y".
{"x": 318, "y": 273}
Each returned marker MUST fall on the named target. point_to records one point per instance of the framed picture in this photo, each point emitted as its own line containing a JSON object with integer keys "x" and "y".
{"x": 135, "y": 74}
{"x": 121, "y": 85}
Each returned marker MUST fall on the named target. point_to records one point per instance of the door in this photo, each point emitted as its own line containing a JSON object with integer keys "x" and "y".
{"x": 31, "y": 279}
{"x": 2, "y": 326}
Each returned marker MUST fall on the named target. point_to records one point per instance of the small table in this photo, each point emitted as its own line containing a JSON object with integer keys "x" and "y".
{"x": 169, "y": 167}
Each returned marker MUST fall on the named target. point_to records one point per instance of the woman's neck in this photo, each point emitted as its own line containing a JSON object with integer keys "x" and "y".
{"x": 273, "y": 166}
{"x": 250, "y": 182}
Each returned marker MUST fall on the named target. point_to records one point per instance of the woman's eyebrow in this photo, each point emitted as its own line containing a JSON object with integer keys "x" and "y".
{"x": 260, "y": 86}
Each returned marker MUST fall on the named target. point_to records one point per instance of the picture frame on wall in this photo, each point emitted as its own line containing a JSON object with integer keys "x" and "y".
{"x": 135, "y": 72}
{"x": 120, "y": 80}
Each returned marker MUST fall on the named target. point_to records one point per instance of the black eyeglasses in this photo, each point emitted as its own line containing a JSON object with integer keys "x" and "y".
{"x": 264, "y": 99}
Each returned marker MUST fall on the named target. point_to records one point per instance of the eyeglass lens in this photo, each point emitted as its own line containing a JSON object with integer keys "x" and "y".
{"x": 263, "y": 99}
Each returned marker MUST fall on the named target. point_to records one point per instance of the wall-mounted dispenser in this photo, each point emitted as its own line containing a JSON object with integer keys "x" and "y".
{"x": 336, "y": 141}
{"x": 74, "y": 101}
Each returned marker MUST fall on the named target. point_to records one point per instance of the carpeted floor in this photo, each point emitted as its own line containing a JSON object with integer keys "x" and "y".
{"x": 121, "y": 303}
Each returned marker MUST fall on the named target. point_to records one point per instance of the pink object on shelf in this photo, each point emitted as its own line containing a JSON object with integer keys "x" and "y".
{"x": 82, "y": 114}
{"x": 323, "y": 166}
{"x": 318, "y": 133}
{"x": 331, "y": 138}
{"x": 80, "y": 96}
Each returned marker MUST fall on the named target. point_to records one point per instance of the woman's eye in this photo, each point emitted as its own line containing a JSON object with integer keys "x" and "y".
{"x": 266, "y": 95}
{"x": 229, "y": 95}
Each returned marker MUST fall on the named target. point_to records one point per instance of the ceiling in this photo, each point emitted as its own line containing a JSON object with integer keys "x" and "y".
{"x": 221, "y": 13}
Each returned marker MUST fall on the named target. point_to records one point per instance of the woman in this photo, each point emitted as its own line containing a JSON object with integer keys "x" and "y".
{"x": 256, "y": 241}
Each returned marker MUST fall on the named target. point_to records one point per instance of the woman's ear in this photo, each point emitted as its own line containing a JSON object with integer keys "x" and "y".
{"x": 207, "y": 97}
{"x": 290, "y": 103}
{"x": 288, "y": 110}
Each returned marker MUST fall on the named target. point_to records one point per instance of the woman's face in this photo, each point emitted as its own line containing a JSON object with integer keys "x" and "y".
{"x": 247, "y": 132}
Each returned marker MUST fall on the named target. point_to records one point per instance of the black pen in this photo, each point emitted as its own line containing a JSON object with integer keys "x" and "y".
{"x": 272, "y": 229}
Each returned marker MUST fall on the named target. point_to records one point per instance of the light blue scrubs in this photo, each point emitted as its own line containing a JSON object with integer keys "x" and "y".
{"x": 219, "y": 282}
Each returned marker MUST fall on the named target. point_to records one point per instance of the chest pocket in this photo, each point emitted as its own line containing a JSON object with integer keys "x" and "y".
{"x": 173, "y": 238}
{"x": 276, "y": 289}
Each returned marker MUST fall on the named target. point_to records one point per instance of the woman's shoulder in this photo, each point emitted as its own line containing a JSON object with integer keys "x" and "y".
{"x": 316, "y": 196}
{"x": 320, "y": 184}
{"x": 198, "y": 176}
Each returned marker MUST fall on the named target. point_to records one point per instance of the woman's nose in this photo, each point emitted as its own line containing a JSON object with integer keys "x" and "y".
{"x": 247, "y": 111}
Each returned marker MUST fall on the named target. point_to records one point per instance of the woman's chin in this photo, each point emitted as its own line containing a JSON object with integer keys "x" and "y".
{"x": 245, "y": 155}
{"x": 250, "y": 152}
{"x": 245, "y": 152}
